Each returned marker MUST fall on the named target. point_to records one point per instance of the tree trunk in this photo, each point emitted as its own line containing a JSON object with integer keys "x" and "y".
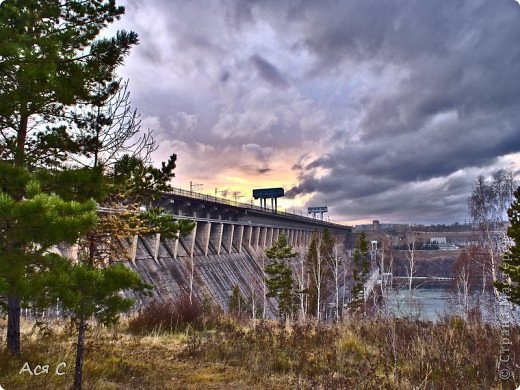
{"x": 13, "y": 301}
{"x": 411, "y": 260}
{"x": 253, "y": 304}
{"x": 192, "y": 275}
{"x": 13, "y": 324}
{"x": 317, "y": 279}
{"x": 264, "y": 285}
{"x": 491, "y": 249}
{"x": 337, "y": 294}
{"x": 80, "y": 349}
{"x": 21, "y": 138}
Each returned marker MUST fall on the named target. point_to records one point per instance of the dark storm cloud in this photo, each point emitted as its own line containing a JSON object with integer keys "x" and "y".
{"x": 453, "y": 102}
{"x": 427, "y": 152}
{"x": 395, "y": 106}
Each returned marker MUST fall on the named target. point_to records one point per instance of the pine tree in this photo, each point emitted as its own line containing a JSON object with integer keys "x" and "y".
{"x": 141, "y": 182}
{"x": 84, "y": 291}
{"x": 51, "y": 58}
{"x": 237, "y": 304}
{"x": 91, "y": 287}
{"x": 511, "y": 261}
{"x": 31, "y": 223}
{"x": 360, "y": 269}
{"x": 280, "y": 282}
{"x": 312, "y": 257}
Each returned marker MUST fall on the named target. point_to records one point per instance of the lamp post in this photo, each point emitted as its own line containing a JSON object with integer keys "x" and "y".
{"x": 195, "y": 187}
{"x": 236, "y": 195}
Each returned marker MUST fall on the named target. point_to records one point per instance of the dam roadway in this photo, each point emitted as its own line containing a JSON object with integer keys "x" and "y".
{"x": 195, "y": 205}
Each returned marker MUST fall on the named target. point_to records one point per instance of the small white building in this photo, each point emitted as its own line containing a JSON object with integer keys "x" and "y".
{"x": 438, "y": 240}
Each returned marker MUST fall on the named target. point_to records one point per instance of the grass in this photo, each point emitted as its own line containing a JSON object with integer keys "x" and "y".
{"x": 231, "y": 354}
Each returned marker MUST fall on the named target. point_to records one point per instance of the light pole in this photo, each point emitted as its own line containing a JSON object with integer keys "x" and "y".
{"x": 195, "y": 187}
{"x": 236, "y": 196}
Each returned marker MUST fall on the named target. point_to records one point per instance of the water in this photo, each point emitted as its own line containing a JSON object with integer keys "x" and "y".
{"x": 431, "y": 300}
{"x": 427, "y": 303}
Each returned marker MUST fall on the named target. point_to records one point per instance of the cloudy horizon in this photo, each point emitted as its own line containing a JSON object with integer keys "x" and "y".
{"x": 379, "y": 110}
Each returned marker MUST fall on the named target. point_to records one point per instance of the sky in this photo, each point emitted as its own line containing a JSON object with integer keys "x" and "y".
{"x": 381, "y": 110}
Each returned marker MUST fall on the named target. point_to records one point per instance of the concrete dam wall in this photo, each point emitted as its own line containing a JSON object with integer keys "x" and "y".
{"x": 214, "y": 258}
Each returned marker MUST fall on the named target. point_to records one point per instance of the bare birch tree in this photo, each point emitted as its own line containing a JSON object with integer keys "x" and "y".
{"x": 386, "y": 263}
{"x": 463, "y": 285}
{"x": 319, "y": 251}
{"x": 335, "y": 262}
{"x": 301, "y": 279}
{"x": 411, "y": 256}
{"x": 316, "y": 262}
{"x": 488, "y": 206}
{"x": 264, "y": 287}
{"x": 466, "y": 272}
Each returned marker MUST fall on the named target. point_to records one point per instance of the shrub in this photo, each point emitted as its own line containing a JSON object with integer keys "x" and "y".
{"x": 173, "y": 315}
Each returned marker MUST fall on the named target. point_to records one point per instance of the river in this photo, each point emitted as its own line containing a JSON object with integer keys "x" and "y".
{"x": 432, "y": 299}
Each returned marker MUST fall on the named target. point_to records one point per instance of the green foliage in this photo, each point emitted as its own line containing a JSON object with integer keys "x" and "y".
{"x": 13, "y": 180}
{"x": 312, "y": 262}
{"x": 327, "y": 244}
{"x": 49, "y": 147}
{"x": 80, "y": 184}
{"x": 511, "y": 260}
{"x": 360, "y": 269}
{"x": 31, "y": 223}
{"x": 280, "y": 282}
{"x": 53, "y": 65}
{"x": 140, "y": 181}
{"x": 86, "y": 291}
{"x": 281, "y": 250}
{"x": 237, "y": 304}
{"x": 157, "y": 221}
{"x": 52, "y": 58}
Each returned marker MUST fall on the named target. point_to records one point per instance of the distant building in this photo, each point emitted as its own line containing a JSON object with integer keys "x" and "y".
{"x": 375, "y": 225}
{"x": 438, "y": 240}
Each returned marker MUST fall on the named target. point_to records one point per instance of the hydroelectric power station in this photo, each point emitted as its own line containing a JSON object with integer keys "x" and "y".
{"x": 225, "y": 249}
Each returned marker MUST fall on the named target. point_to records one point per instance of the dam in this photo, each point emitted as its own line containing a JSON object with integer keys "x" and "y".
{"x": 226, "y": 249}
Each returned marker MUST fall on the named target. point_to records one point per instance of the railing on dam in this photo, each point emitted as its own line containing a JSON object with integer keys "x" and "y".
{"x": 248, "y": 206}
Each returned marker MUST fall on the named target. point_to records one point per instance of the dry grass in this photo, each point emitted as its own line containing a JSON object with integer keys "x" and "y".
{"x": 115, "y": 359}
{"x": 388, "y": 354}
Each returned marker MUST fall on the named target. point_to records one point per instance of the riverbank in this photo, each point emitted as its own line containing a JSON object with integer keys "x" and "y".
{"x": 427, "y": 264}
{"x": 226, "y": 353}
